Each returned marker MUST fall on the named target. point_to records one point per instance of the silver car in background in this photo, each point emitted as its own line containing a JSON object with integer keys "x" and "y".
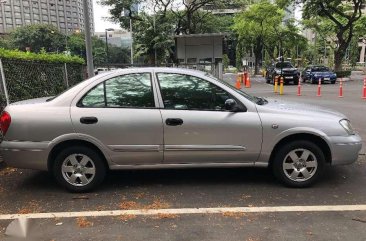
{"x": 171, "y": 118}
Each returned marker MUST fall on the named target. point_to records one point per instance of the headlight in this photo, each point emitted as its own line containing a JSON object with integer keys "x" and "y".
{"x": 346, "y": 124}
{"x": 278, "y": 71}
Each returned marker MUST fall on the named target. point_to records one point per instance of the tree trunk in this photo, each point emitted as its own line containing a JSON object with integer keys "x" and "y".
{"x": 338, "y": 57}
{"x": 257, "y": 54}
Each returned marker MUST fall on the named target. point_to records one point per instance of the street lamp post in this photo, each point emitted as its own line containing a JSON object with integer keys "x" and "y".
{"x": 155, "y": 54}
{"x": 88, "y": 42}
{"x": 106, "y": 45}
{"x": 131, "y": 41}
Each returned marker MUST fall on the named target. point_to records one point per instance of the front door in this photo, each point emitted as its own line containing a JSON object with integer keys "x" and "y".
{"x": 198, "y": 129}
{"x": 121, "y": 114}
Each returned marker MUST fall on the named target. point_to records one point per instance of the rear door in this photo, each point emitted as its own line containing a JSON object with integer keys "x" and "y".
{"x": 121, "y": 114}
{"x": 198, "y": 129}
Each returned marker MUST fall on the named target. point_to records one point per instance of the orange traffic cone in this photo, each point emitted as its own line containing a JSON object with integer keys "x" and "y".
{"x": 364, "y": 89}
{"x": 238, "y": 84}
{"x": 340, "y": 89}
{"x": 319, "y": 88}
{"x": 247, "y": 83}
{"x": 299, "y": 87}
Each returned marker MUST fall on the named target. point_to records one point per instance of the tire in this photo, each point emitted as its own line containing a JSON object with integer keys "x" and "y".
{"x": 302, "y": 172}
{"x": 79, "y": 169}
{"x": 333, "y": 82}
{"x": 313, "y": 81}
{"x": 268, "y": 80}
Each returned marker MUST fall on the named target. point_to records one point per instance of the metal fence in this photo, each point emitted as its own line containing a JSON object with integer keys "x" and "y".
{"x": 20, "y": 80}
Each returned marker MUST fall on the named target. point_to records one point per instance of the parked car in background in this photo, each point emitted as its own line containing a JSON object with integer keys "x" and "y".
{"x": 314, "y": 73}
{"x": 285, "y": 69}
{"x": 171, "y": 118}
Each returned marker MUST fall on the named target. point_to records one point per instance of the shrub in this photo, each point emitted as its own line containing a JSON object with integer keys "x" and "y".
{"x": 344, "y": 73}
{"x": 43, "y": 56}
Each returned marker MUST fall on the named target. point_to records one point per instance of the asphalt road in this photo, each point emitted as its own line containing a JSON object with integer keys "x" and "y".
{"x": 27, "y": 191}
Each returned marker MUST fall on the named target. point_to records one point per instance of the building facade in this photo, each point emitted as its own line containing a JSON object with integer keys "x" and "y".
{"x": 119, "y": 37}
{"x": 66, "y": 15}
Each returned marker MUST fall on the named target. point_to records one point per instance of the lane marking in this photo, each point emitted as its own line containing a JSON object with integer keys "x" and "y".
{"x": 217, "y": 210}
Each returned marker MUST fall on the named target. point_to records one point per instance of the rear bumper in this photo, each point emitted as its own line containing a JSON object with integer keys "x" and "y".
{"x": 345, "y": 149}
{"x": 25, "y": 154}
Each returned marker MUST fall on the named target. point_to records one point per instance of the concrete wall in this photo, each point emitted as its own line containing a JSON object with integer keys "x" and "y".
{"x": 200, "y": 47}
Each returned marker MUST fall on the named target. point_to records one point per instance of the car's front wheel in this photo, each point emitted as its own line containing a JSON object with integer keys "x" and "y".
{"x": 298, "y": 163}
{"x": 79, "y": 169}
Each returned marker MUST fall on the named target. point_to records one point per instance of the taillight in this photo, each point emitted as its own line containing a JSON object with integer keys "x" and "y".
{"x": 5, "y": 121}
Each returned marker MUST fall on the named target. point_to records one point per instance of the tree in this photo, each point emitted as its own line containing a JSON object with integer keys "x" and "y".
{"x": 116, "y": 55}
{"x": 342, "y": 17}
{"x": 255, "y": 25}
{"x": 38, "y": 36}
{"x": 158, "y": 20}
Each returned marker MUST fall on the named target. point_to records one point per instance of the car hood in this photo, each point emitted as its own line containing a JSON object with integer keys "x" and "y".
{"x": 311, "y": 111}
{"x": 286, "y": 69}
{"x": 323, "y": 73}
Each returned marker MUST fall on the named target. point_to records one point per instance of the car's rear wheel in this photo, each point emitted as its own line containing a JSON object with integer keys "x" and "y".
{"x": 298, "y": 164}
{"x": 268, "y": 80}
{"x": 79, "y": 169}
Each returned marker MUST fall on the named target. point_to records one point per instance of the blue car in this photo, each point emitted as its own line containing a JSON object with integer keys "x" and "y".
{"x": 313, "y": 73}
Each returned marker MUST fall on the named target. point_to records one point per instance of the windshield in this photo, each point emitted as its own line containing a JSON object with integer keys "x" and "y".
{"x": 320, "y": 69}
{"x": 284, "y": 65}
{"x": 254, "y": 99}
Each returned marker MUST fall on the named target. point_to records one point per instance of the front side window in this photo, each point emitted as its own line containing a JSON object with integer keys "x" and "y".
{"x": 128, "y": 91}
{"x": 191, "y": 93}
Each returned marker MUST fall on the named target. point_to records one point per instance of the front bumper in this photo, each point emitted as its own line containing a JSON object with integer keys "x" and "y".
{"x": 25, "y": 154}
{"x": 324, "y": 79}
{"x": 289, "y": 77}
{"x": 345, "y": 149}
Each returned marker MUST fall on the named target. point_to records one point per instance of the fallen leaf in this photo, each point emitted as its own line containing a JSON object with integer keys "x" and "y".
{"x": 81, "y": 197}
{"x": 82, "y": 222}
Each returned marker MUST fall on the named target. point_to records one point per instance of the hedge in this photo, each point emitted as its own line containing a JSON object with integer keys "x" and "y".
{"x": 344, "y": 73}
{"x": 43, "y": 56}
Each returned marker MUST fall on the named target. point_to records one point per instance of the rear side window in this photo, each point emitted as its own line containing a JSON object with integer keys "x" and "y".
{"x": 129, "y": 91}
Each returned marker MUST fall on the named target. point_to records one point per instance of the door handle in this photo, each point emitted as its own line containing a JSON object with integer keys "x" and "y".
{"x": 88, "y": 120}
{"x": 174, "y": 121}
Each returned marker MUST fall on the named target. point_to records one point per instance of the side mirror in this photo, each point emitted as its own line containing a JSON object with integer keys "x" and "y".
{"x": 231, "y": 105}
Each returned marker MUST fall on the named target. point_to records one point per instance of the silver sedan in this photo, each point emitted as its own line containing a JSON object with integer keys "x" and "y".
{"x": 171, "y": 118}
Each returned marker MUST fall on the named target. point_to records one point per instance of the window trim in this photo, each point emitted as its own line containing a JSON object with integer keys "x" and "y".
{"x": 80, "y": 105}
{"x": 211, "y": 110}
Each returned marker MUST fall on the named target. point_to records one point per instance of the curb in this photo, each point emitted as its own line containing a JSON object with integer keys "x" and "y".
{"x": 344, "y": 79}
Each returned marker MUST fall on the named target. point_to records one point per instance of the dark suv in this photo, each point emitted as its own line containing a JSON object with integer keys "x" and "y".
{"x": 289, "y": 72}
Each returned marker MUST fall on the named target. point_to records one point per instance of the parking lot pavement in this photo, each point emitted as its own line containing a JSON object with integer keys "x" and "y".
{"x": 226, "y": 226}
{"x": 27, "y": 191}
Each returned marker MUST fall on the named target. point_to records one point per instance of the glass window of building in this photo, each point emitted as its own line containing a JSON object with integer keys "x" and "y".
{"x": 9, "y": 20}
